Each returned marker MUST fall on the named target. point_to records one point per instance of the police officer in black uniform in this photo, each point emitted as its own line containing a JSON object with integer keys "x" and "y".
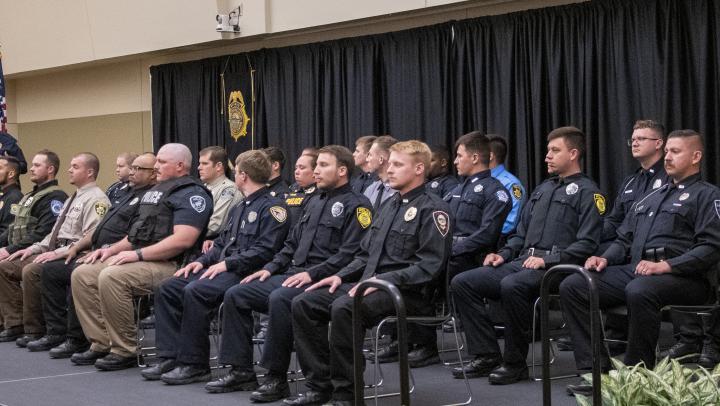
{"x": 304, "y": 184}
{"x": 184, "y": 304}
{"x": 440, "y": 180}
{"x": 362, "y": 176}
{"x": 560, "y": 224}
{"x": 34, "y": 217}
{"x": 58, "y": 307}
{"x": 119, "y": 189}
{"x": 10, "y": 192}
{"x": 278, "y": 187}
{"x": 672, "y": 238}
{"x": 325, "y": 240}
{"x": 408, "y": 245}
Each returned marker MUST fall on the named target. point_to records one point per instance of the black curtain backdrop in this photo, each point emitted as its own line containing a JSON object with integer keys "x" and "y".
{"x": 599, "y": 66}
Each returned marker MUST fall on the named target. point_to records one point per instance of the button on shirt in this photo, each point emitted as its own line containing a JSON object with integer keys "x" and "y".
{"x": 517, "y": 192}
{"x": 634, "y": 188}
{"x": 255, "y": 230}
{"x": 328, "y": 235}
{"x": 408, "y": 244}
{"x": 562, "y": 213}
{"x": 86, "y": 209}
{"x": 479, "y": 207}
{"x": 682, "y": 218}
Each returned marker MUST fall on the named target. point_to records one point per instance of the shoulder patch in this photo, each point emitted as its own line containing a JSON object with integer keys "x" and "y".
{"x": 278, "y": 213}
{"x": 600, "y": 203}
{"x": 442, "y": 222}
{"x": 56, "y": 207}
{"x": 197, "y": 203}
{"x": 227, "y": 193}
{"x": 502, "y": 196}
{"x": 516, "y": 191}
{"x": 101, "y": 208}
{"x": 364, "y": 217}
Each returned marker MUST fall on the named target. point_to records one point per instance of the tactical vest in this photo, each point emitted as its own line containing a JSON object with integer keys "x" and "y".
{"x": 114, "y": 225}
{"x": 24, "y": 220}
{"x": 155, "y": 216}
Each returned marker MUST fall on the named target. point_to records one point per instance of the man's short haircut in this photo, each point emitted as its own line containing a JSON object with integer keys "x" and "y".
{"x": 574, "y": 138}
{"x": 418, "y": 150}
{"x": 256, "y": 164}
{"x": 180, "y": 153}
{"x": 215, "y": 154}
{"x": 91, "y": 161}
{"x": 655, "y": 126}
{"x": 499, "y": 147}
{"x": 365, "y": 142}
{"x": 384, "y": 142}
{"x": 441, "y": 151}
{"x": 343, "y": 155}
{"x": 689, "y": 134}
{"x": 476, "y": 142}
{"x": 275, "y": 154}
{"x": 128, "y": 157}
{"x": 13, "y": 164}
{"x": 51, "y": 159}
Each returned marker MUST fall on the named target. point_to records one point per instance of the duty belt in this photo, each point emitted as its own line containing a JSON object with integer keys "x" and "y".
{"x": 535, "y": 252}
{"x": 655, "y": 254}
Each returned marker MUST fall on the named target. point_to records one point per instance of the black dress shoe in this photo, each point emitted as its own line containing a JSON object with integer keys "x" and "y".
{"x": 310, "y": 397}
{"x": 11, "y": 334}
{"x": 423, "y": 356}
{"x": 448, "y": 326}
{"x": 385, "y": 354}
{"x": 185, "y": 374}
{"x": 709, "y": 357}
{"x": 687, "y": 352}
{"x": 582, "y": 387}
{"x": 154, "y": 372}
{"x": 115, "y": 362}
{"x": 87, "y": 358}
{"x": 274, "y": 388}
{"x": 235, "y": 380}
{"x": 23, "y": 341}
{"x": 68, "y": 348}
{"x": 507, "y": 374}
{"x": 45, "y": 343}
{"x": 480, "y": 366}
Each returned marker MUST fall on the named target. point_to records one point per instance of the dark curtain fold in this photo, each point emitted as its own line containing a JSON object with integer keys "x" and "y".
{"x": 598, "y": 65}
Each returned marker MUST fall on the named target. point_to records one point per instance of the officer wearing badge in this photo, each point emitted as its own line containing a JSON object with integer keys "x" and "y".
{"x": 34, "y": 217}
{"x": 10, "y": 192}
{"x": 672, "y": 240}
{"x": 440, "y": 180}
{"x": 119, "y": 189}
{"x": 78, "y": 217}
{"x": 498, "y": 153}
{"x": 560, "y": 224}
{"x": 59, "y": 312}
{"x": 325, "y": 240}
{"x": 278, "y": 187}
{"x": 363, "y": 176}
{"x": 169, "y": 226}
{"x": 305, "y": 185}
{"x": 407, "y": 245}
{"x": 184, "y": 303}
{"x": 212, "y": 166}
{"x": 377, "y": 162}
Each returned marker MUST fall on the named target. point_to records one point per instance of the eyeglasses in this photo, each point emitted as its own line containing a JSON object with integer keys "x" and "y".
{"x": 631, "y": 141}
{"x": 136, "y": 168}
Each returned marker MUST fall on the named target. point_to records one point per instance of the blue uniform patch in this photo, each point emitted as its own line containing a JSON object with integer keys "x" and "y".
{"x": 56, "y": 207}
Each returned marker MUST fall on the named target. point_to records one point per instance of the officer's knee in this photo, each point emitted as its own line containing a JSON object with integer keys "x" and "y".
{"x": 31, "y": 271}
{"x": 461, "y": 282}
{"x": 573, "y": 287}
{"x": 636, "y": 293}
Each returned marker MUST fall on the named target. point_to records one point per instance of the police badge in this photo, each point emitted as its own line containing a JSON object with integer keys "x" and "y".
{"x": 337, "y": 209}
{"x": 410, "y": 213}
{"x": 237, "y": 115}
{"x": 571, "y": 189}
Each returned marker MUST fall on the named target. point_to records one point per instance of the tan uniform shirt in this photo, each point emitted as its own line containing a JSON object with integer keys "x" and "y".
{"x": 86, "y": 210}
{"x": 225, "y": 195}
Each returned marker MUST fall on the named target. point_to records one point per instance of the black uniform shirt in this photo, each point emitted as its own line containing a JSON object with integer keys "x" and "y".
{"x": 441, "y": 185}
{"x": 564, "y": 214}
{"x": 479, "y": 207}
{"x": 682, "y": 218}
{"x": 117, "y": 191}
{"x": 255, "y": 231}
{"x": 328, "y": 235}
{"x": 278, "y": 187}
{"x": 361, "y": 182}
{"x": 297, "y": 201}
{"x": 115, "y": 224}
{"x": 408, "y": 244}
{"x": 9, "y": 196}
{"x": 634, "y": 188}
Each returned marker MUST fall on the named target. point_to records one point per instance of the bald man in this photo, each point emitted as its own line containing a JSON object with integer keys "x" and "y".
{"x": 171, "y": 221}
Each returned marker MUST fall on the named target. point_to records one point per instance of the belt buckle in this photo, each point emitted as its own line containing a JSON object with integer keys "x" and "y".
{"x": 531, "y": 251}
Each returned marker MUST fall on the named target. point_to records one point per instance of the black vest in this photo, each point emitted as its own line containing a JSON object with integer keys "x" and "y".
{"x": 114, "y": 225}
{"x": 155, "y": 216}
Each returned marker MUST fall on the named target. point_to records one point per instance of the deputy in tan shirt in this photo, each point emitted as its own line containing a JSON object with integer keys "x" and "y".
{"x": 212, "y": 168}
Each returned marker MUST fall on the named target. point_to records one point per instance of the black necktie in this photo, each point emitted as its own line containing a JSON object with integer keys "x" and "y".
{"x": 53, "y": 237}
{"x": 378, "y": 198}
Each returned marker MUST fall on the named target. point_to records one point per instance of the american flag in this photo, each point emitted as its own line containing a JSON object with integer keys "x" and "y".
{"x": 3, "y": 102}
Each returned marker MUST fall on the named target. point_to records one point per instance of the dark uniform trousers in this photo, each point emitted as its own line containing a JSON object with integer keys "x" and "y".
{"x": 311, "y": 313}
{"x": 693, "y": 329}
{"x": 644, "y": 296}
{"x": 183, "y": 311}
{"x": 57, "y": 303}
